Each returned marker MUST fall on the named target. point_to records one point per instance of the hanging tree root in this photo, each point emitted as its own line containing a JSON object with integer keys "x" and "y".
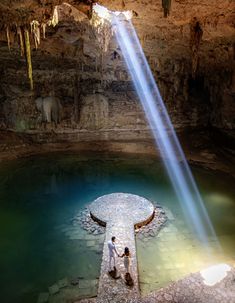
{"x": 28, "y": 57}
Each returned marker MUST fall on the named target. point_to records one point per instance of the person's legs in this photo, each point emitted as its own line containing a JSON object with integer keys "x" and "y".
{"x": 127, "y": 265}
{"x": 110, "y": 261}
{"x": 126, "y": 268}
{"x": 110, "y": 258}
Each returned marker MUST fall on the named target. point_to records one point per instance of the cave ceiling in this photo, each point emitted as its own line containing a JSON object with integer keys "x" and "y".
{"x": 182, "y": 39}
{"x": 169, "y": 32}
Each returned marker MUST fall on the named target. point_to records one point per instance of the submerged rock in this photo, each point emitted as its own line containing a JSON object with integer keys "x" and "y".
{"x": 153, "y": 228}
{"x": 74, "y": 282}
{"x": 54, "y": 289}
{"x": 63, "y": 283}
{"x": 88, "y": 224}
{"x": 43, "y": 297}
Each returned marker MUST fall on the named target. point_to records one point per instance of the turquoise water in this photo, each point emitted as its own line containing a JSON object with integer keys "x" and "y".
{"x": 40, "y": 195}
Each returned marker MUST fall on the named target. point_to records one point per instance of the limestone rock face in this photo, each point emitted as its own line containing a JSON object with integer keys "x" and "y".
{"x": 94, "y": 112}
{"x": 190, "y": 52}
{"x": 19, "y": 112}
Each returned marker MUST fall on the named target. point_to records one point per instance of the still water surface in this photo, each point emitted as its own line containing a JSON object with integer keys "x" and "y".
{"x": 40, "y": 195}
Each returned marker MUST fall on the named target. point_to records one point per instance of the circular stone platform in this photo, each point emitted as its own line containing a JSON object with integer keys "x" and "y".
{"x": 121, "y": 206}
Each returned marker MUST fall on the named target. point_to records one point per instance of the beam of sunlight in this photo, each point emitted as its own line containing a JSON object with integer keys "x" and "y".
{"x": 162, "y": 129}
{"x": 214, "y": 274}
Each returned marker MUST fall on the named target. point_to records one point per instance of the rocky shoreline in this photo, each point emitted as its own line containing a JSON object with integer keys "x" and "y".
{"x": 15, "y": 146}
{"x": 190, "y": 289}
{"x": 84, "y": 219}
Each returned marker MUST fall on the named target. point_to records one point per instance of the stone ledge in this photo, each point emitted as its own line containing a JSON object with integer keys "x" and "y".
{"x": 120, "y": 213}
{"x": 109, "y": 207}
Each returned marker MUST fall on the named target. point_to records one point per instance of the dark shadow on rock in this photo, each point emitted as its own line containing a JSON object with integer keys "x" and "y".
{"x": 114, "y": 273}
{"x": 128, "y": 279}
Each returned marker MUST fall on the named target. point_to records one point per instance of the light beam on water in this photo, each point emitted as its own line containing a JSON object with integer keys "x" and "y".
{"x": 162, "y": 129}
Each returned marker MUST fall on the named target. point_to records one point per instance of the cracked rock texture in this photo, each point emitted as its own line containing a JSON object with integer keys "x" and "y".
{"x": 191, "y": 54}
{"x": 191, "y": 289}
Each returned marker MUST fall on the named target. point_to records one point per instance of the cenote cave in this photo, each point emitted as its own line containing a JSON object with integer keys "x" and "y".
{"x": 117, "y": 124}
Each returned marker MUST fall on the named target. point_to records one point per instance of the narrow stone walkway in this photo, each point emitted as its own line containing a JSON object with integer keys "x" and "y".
{"x": 120, "y": 213}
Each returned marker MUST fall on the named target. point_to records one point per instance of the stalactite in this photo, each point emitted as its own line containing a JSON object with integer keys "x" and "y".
{"x": 28, "y": 57}
{"x": 166, "y": 4}
{"x": 19, "y": 33}
{"x": 8, "y": 38}
{"x": 43, "y": 30}
{"x": 35, "y": 30}
{"x": 103, "y": 32}
{"x": 196, "y": 33}
{"x": 55, "y": 18}
{"x": 24, "y": 40}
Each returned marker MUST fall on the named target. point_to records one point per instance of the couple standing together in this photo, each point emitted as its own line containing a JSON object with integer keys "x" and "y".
{"x": 113, "y": 251}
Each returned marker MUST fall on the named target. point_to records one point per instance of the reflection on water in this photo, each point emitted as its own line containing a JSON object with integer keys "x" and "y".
{"x": 176, "y": 251}
{"x": 39, "y": 246}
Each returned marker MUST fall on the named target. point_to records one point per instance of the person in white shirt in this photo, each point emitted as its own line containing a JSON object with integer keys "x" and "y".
{"x": 112, "y": 252}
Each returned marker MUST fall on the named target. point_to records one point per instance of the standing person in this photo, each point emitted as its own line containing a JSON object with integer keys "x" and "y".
{"x": 112, "y": 250}
{"x": 126, "y": 255}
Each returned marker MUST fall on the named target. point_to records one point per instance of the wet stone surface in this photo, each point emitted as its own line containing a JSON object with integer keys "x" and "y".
{"x": 66, "y": 290}
{"x": 127, "y": 208}
{"x": 83, "y": 218}
{"x": 80, "y": 285}
{"x": 152, "y": 228}
{"x": 121, "y": 213}
{"x": 190, "y": 289}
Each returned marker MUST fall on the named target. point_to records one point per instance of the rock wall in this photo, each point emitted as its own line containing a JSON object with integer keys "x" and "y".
{"x": 94, "y": 114}
{"x": 191, "y": 54}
